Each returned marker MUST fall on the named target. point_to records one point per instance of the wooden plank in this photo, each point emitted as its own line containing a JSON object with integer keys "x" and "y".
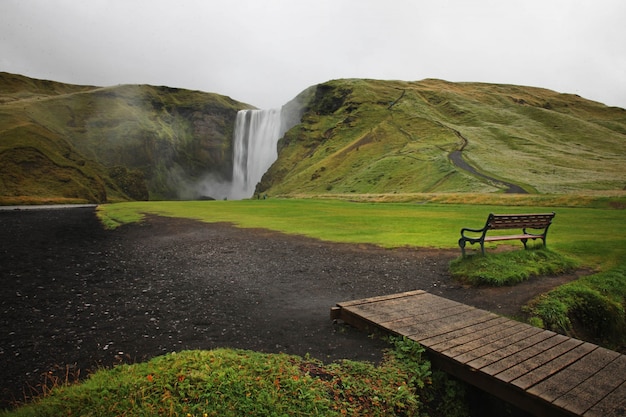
{"x": 494, "y": 345}
{"x": 390, "y": 305}
{"x": 568, "y": 378}
{"x": 591, "y": 391}
{"x": 485, "y": 338}
{"x": 389, "y": 310}
{"x": 425, "y": 309}
{"x": 399, "y": 303}
{"x": 448, "y": 338}
{"x": 514, "y": 366}
{"x": 366, "y": 312}
{"x": 494, "y": 238}
{"x": 467, "y": 320}
{"x": 380, "y": 298}
{"x": 547, "y": 369}
{"x": 430, "y": 328}
{"x": 613, "y": 405}
{"x": 398, "y": 309}
{"x": 422, "y": 321}
{"x": 461, "y": 343}
{"x": 484, "y": 361}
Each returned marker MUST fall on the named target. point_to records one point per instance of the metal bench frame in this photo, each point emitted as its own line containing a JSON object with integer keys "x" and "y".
{"x": 539, "y": 223}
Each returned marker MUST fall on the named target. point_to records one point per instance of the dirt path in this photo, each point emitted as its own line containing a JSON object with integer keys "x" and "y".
{"x": 457, "y": 159}
{"x": 76, "y": 297}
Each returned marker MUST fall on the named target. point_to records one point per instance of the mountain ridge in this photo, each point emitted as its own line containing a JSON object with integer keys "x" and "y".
{"x": 63, "y": 142}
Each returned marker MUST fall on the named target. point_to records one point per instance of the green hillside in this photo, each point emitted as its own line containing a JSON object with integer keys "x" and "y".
{"x": 368, "y": 137}
{"x": 62, "y": 142}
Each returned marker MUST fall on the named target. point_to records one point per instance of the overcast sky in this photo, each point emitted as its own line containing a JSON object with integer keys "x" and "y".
{"x": 264, "y": 52}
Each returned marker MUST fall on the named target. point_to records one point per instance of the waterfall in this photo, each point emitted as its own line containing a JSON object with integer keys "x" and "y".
{"x": 256, "y": 138}
{"x": 254, "y": 148}
{"x": 255, "y": 141}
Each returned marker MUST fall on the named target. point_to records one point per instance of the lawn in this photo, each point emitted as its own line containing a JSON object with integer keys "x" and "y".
{"x": 597, "y": 237}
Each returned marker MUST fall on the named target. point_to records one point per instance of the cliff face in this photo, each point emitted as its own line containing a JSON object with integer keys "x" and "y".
{"x": 81, "y": 143}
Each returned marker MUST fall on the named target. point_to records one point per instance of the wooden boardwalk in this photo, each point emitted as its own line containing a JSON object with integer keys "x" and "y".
{"x": 542, "y": 372}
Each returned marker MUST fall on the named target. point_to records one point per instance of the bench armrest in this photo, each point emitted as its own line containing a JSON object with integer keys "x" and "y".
{"x": 538, "y": 232}
{"x": 467, "y": 229}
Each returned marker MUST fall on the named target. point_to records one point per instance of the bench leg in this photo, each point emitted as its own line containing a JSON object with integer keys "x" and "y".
{"x": 462, "y": 245}
{"x": 524, "y": 242}
{"x": 482, "y": 247}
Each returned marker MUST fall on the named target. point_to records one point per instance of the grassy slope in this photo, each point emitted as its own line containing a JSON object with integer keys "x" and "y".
{"x": 367, "y": 136}
{"x": 357, "y": 137}
{"x": 35, "y": 164}
{"x": 75, "y": 135}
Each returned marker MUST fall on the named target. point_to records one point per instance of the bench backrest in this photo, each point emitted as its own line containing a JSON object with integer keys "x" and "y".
{"x": 519, "y": 221}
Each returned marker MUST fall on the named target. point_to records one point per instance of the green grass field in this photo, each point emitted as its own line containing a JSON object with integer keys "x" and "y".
{"x": 597, "y": 237}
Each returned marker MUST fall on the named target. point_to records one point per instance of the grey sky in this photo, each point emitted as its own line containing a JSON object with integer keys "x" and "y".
{"x": 264, "y": 52}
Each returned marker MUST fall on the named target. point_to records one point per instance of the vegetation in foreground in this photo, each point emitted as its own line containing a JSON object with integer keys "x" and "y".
{"x": 590, "y": 308}
{"x": 225, "y": 382}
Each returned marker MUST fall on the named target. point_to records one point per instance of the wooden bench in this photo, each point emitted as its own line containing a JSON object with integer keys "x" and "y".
{"x": 538, "y": 223}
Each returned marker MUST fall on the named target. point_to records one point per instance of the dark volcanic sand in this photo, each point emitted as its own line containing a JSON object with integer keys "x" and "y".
{"x": 76, "y": 297}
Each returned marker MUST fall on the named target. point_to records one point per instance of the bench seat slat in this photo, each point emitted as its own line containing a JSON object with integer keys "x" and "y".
{"x": 511, "y": 237}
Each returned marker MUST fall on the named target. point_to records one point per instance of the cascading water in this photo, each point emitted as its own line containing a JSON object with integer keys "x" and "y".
{"x": 254, "y": 148}
{"x": 255, "y": 142}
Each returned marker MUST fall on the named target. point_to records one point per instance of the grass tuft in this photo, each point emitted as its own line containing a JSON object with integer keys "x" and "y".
{"x": 113, "y": 219}
{"x": 509, "y": 268}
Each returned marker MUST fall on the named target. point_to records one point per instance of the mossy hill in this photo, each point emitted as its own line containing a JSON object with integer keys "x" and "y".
{"x": 61, "y": 142}
{"x": 367, "y": 137}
